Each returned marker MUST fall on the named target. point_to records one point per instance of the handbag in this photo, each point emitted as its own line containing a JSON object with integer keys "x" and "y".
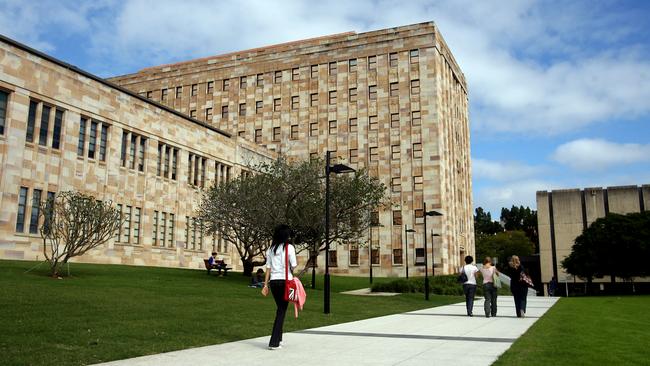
{"x": 462, "y": 277}
{"x": 523, "y": 277}
{"x": 496, "y": 280}
{"x": 290, "y": 287}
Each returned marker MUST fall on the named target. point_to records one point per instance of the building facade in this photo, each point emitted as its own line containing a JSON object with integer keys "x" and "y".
{"x": 562, "y": 215}
{"x": 393, "y": 101}
{"x": 64, "y": 129}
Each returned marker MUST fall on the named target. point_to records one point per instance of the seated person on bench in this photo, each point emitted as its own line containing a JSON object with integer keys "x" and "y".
{"x": 217, "y": 264}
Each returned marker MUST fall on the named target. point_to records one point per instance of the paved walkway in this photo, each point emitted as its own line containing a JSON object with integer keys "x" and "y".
{"x": 435, "y": 336}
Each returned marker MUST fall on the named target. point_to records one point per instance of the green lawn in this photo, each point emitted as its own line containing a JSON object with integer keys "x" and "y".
{"x": 109, "y": 312}
{"x": 587, "y": 331}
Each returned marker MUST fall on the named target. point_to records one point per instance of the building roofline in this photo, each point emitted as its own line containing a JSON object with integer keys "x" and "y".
{"x": 108, "y": 83}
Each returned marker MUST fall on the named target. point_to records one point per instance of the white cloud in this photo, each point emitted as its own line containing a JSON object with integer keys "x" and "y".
{"x": 503, "y": 171}
{"x": 517, "y": 193}
{"x": 598, "y": 154}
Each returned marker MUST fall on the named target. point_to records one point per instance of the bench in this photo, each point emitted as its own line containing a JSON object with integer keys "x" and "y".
{"x": 217, "y": 267}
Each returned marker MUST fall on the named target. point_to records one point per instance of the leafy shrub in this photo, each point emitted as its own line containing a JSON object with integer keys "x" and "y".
{"x": 439, "y": 285}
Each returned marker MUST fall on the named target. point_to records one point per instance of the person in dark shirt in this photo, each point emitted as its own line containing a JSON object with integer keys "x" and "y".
{"x": 518, "y": 288}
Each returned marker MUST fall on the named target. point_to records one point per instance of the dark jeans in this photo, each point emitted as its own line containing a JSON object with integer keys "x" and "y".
{"x": 490, "y": 304}
{"x": 470, "y": 291}
{"x": 520, "y": 294}
{"x": 277, "y": 289}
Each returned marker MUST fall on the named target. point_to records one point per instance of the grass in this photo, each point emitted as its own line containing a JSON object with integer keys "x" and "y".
{"x": 109, "y": 312}
{"x": 587, "y": 331}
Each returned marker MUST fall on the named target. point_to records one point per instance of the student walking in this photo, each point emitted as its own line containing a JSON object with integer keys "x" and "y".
{"x": 469, "y": 286}
{"x": 275, "y": 278}
{"x": 489, "y": 287}
{"x": 518, "y": 287}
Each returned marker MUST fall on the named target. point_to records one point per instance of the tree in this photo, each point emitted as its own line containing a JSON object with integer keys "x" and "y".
{"x": 483, "y": 223}
{"x": 520, "y": 218}
{"x": 503, "y": 245}
{"x": 73, "y": 224}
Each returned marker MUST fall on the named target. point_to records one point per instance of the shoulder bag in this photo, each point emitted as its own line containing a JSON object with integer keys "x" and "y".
{"x": 462, "y": 277}
{"x": 523, "y": 277}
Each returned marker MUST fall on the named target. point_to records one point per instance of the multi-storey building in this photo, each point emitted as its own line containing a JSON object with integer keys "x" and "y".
{"x": 64, "y": 129}
{"x": 393, "y": 101}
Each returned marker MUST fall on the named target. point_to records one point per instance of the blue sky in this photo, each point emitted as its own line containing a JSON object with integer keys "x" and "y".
{"x": 559, "y": 90}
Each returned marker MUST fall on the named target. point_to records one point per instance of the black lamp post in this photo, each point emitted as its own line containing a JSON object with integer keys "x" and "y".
{"x": 406, "y": 234}
{"x": 426, "y": 265}
{"x": 336, "y": 169}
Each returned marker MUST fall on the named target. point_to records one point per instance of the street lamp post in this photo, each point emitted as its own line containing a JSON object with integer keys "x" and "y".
{"x": 336, "y": 169}
{"x": 426, "y": 264}
{"x": 406, "y": 234}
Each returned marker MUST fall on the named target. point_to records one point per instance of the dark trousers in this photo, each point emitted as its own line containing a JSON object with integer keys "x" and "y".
{"x": 277, "y": 289}
{"x": 470, "y": 291}
{"x": 520, "y": 294}
{"x": 490, "y": 304}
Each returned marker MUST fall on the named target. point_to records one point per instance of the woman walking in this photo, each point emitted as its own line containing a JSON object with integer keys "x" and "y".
{"x": 489, "y": 289}
{"x": 518, "y": 287}
{"x": 469, "y": 286}
{"x": 275, "y": 264}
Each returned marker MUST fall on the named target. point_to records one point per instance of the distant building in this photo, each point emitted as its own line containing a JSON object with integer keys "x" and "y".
{"x": 562, "y": 215}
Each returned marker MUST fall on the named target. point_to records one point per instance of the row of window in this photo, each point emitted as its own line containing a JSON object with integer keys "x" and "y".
{"x": 35, "y": 204}
{"x": 398, "y": 257}
{"x": 332, "y": 68}
{"x": 44, "y": 123}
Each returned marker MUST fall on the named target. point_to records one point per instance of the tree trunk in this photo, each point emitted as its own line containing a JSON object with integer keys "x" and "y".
{"x": 249, "y": 265}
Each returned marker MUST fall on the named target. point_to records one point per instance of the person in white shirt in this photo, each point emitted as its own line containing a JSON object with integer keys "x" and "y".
{"x": 275, "y": 264}
{"x": 469, "y": 286}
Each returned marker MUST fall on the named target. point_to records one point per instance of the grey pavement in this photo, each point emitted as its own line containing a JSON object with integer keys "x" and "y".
{"x": 442, "y": 335}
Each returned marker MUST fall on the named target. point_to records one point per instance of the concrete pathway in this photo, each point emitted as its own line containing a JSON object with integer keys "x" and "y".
{"x": 436, "y": 336}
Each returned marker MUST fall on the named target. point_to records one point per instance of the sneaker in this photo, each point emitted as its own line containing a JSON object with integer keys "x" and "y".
{"x": 274, "y": 348}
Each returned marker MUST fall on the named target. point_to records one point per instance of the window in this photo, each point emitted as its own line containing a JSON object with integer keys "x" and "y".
{"x": 135, "y": 145}
{"x": 82, "y": 137}
{"x": 22, "y": 204}
{"x": 314, "y": 71}
{"x": 209, "y": 88}
{"x": 396, "y": 184}
{"x": 208, "y": 114}
{"x": 243, "y": 83}
{"x": 196, "y": 170}
{"x": 276, "y": 133}
{"x": 242, "y": 109}
{"x": 45, "y": 125}
{"x": 332, "y": 127}
{"x": 372, "y": 62}
{"x": 92, "y": 142}
{"x": 419, "y": 214}
{"x": 154, "y": 233}
{"x": 415, "y": 118}
{"x": 417, "y": 151}
{"x": 415, "y": 86}
{"x": 352, "y": 65}
{"x": 392, "y": 59}
{"x": 397, "y": 256}
{"x": 258, "y": 107}
{"x": 179, "y": 92}
{"x": 170, "y": 231}
{"x": 36, "y": 209}
{"x": 165, "y": 154}
{"x": 224, "y": 112}
{"x": 313, "y": 129}
{"x": 49, "y": 212}
{"x": 31, "y": 121}
{"x": 259, "y": 80}
{"x": 394, "y": 120}
{"x": 313, "y": 156}
{"x": 225, "y": 85}
{"x": 241, "y": 134}
{"x": 56, "y": 132}
{"x": 258, "y": 135}
{"x": 295, "y": 102}
{"x": 417, "y": 183}
{"x": 372, "y": 123}
{"x": 162, "y": 227}
{"x": 354, "y": 156}
{"x": 295, "y": 74}
{"x": 354, "y": 256}
{"x": 278, "y": 77}
{"x": 332, "y": 97}
{"x": 137, "y": 214}
{"x": 126, "y": 228}
{"x": 375, "y": 256}
{"x": 194, "y": 90}
{"x": 397, "y": 217}
{"x": 332, "y": 68}
{"x": 415, "y": 56}
{"x": 163, "y": 94}
{"x": 394, "y": 90}
{"x": 277, "y": 104}
{"x": 149, "y": 95}
{"x": 332, "y": 258}
{"x": 395, "y": 152}
{"x": 294, "y": 132}
{"x": 374, "y": 154}
{"x": 313, "y": 100}
{"x": 353, "y": 95}
{"x": 419, "y": 256}
{"x": 193, "y": 113}
{"x": 353, "y": 124}
{"x": 372, "y": 92}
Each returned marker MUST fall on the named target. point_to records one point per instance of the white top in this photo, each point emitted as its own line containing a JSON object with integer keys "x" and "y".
{"x": 470, "y": 271}
{"x": 487, "y": 274}
{"x": 275, "y": 262}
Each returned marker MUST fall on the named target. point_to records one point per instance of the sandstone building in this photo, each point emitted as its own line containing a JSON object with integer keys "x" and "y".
{"x": 393, "y": 101}
{"x": 563, "y": 214}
